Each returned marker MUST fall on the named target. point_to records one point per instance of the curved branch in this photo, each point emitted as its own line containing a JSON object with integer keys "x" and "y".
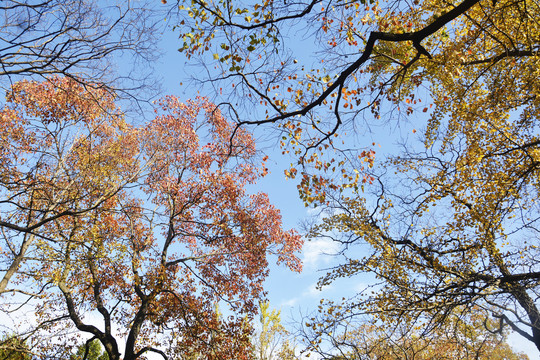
{"x": 416, "y": 37}
{"x": 150, "y": 349}
{"x": 262, "y": 24}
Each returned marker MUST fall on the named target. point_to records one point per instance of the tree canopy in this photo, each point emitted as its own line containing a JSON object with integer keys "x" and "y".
{"x": 452, "y": 221}
{"x": 459, "y": 337}
{"x": 365, "y": 52}
{"x": 371, "y": 61}
{"x": 148, "y": 228}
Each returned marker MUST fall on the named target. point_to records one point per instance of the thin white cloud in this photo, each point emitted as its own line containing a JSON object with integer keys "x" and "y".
{"x": 318, "y": 252}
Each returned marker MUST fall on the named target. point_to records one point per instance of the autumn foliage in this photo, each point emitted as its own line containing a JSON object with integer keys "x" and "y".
{"x": 464, "y": 342}
{"x": 450, "y": 220}
{"x": 148, "y": 229}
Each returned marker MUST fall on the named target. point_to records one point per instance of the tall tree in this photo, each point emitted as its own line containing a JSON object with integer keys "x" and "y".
{"x": 147, "y": 228}
{"x": 371, "y": 61}
{"x": 452, "y": 223}
{"x": 56, "y": 135}
{"x": 272, "y": 340}
{"x": 452, "y": 227}
{"x": 45, "y": 125}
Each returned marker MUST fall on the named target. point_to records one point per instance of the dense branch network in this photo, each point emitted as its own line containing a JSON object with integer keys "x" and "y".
{"x": 416, "y": 37}
{"x": 78, "y": 39}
